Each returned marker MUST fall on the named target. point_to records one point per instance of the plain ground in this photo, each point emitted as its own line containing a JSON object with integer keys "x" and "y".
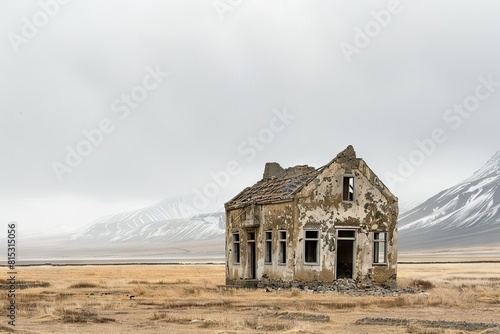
{"x": 190, "y": 299}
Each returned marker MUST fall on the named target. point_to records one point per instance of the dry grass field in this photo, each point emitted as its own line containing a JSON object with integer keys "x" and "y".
{"x": 189, "y": 299}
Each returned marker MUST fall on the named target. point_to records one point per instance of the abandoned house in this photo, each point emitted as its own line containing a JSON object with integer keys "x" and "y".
{"x": 307, "y": 224}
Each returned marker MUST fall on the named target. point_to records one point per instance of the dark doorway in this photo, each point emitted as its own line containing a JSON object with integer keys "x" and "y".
{"x": 345, "y": 254}
{"x": 252, "y": 263}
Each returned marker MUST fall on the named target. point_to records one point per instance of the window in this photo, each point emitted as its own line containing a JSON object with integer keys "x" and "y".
{"x": 236, "y": 248}
{"x": 311, "y": 252}
{"x": 268, "y": 247}
{"x": 282, "y": 247}
{"x": 348, "y": 188}
{"x": 380, "y": 247}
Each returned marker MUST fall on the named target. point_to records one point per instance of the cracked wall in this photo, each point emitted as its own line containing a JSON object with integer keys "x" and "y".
{"x": 374, "y": 209}
{"x": 268, "y": 218}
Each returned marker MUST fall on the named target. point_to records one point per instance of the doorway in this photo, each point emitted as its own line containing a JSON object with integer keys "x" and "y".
{"x": 344, "y": 264}
{"x": 251, "y": 256}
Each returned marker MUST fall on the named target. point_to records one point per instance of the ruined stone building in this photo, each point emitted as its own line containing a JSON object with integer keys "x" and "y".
{"x": 307, "y": 224}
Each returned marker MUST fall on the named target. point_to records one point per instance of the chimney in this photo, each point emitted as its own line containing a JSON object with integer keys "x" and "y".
{"x": 273, "y": 170}
{"x": 347, "y": 154}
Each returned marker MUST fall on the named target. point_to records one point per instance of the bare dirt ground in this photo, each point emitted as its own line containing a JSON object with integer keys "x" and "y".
{"x": 188, "y": 299}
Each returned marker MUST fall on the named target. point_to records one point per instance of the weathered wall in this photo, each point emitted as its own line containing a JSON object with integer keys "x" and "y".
{"x": 278, "y": 217}
{"x": 320, "y": 205}
{"x": 271, "y": 217}
{"x": 234, "y": 219}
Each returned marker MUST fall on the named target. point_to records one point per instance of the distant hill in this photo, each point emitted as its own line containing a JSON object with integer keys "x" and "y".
{"x": 127, "y": 229}
{"x": 155, "y": 233}
{"x": 465, "y": 215}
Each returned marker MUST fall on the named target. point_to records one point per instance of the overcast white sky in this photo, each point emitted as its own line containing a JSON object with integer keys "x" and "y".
{"x": 231, "y": 67}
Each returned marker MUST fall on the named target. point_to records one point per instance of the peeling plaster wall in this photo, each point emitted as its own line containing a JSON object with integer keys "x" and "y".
{"x": 320, "y": 205}
{"x": 270, "y": 217}
{"x": 278, "y": 217}
{"x": 234, "y": 220}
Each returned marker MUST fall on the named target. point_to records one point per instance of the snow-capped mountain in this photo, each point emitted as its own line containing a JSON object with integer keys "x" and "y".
{"x": 200, "y": 227}
{"x": 465, "y": 215}
{"x": 170, "y": 230}
{"x": 164, "y": 221}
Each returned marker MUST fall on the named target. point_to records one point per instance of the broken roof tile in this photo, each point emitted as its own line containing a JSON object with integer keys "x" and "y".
{"x": 275, "y": 189}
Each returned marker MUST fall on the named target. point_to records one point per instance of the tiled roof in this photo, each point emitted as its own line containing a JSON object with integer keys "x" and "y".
{"x": 274, "y": 189}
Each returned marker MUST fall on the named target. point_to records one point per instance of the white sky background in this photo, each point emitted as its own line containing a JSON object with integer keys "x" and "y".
{"x": 226, "y": 77}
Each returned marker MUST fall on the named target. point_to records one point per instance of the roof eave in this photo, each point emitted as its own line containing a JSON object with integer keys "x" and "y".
{"x": 236, "y": 206}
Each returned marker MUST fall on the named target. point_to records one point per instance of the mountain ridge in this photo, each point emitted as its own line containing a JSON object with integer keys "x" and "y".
{"x": 465, "y": 214}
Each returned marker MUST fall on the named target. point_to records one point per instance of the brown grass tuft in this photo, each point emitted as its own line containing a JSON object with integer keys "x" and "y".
{"x": 138, "y": 282}
{"x": 267, "y": 326}
{"x": 74, "y": 316}
{"x": 421, "y": 284}
{"x": 159, "y": 316}
{"x": 82, "y": 316}
{"x": 83, "y": 285}
{"x": 191, "y": 291}
{"x": 8, "y": 329}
